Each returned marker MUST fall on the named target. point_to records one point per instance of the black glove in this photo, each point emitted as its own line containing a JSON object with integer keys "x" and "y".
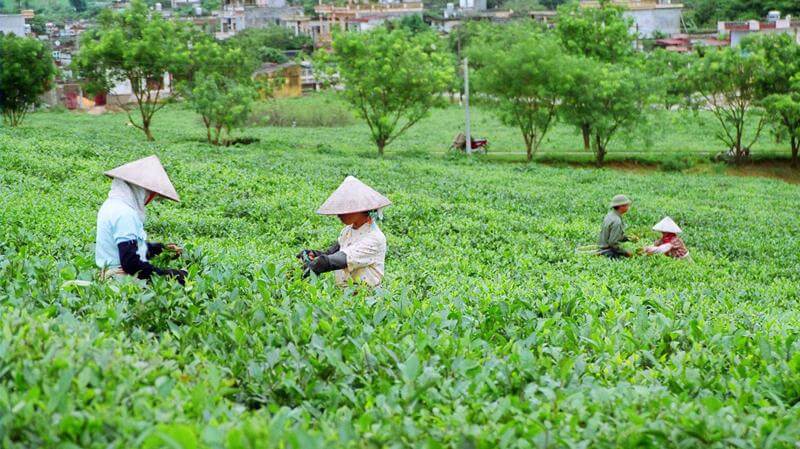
{"x": 131, "y": 264}
{"x": 311, "y": 253}
{"x": 334, "y": 248}
{"x": 325, "y": 263}
{"x": 179, "y": 275}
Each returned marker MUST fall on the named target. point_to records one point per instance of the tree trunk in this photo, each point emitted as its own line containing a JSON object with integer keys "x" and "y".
{"x": 381, "y": 145}
{"x": 795, "y": 148}
{"x": 217, "y": 131}
{"x": 146, "y": 129}
{"x": 601, "y": 156}
{"x": 738, "y": 155}
{"x": 529, "y": 150}
{"x": 599, "y": 152}
{"x": 207, "y": 122}
{"x": 585, "y": 130}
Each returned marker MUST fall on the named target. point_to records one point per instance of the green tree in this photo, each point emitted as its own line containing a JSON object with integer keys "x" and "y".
{"x": 210, "y": 5}
{"x": 521, "y": 72}
{"x": 413, "y": 23}
{"x": 727, "y": 82}
{"x": 392, "y": 78}
{"x": 603, "y": 99}
{"x": 26, "y": 72}
{"x": 602, "y": 33}
{"x": 551, "y": 4}
{"x": 38, "y": 24}
{"x": 599, "y": 32}
{"x": 706, "y": 13}
{"x": 522, "y": 6}
{"x": 218, "y": 85}
{"x": 268, "y": 44}
{"x": 458, "y": 41}
{"x": 223, "y": 103}
{"x": 668, "y": 71}
{"x": 134, "y": 46}
{"x": 79, "y": 5}
{"x": 779, "y": 85}
{"x": 784, "y": 112}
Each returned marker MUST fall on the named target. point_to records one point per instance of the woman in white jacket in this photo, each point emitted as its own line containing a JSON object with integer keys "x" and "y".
{"x": 359, "y": 253}
{"x": 121, "y": 247}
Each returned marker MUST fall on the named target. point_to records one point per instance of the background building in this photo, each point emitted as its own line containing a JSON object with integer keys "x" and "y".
{"x": 13, "y": 24}
{"x": 651, "y": 18}
{"x": 774, "y": 25}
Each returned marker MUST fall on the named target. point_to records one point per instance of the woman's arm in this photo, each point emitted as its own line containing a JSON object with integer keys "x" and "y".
{"x": 327, "y": 262}
{"x": 154, "y": 249}
{"x": 134, "y": 266}
{"x": 660, "y": 249}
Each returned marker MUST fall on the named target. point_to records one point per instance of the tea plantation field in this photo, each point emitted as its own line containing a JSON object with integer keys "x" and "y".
{"x": 489, "y": 331}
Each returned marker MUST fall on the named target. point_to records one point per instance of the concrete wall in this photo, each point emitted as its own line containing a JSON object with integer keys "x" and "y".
{"x": 648, "y": 21}
{"x": 263, "y": 17}
{"x": 737, "y": 36}
{"x": 12, "y": 24}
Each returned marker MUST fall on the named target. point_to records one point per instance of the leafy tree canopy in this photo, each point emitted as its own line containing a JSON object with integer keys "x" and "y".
{"x": 520, "y": 69}
{"x": 602, "y": 33}
{"x": 138, "y": 47}
{"x": 268, "y": 44}
{"x": 392, "y": 77}
{"x": 26, "y": 72}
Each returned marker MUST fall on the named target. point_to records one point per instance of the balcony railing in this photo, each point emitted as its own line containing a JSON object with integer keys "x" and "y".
{"x": 637, "y": 4}
{"x": 377, "y": 7}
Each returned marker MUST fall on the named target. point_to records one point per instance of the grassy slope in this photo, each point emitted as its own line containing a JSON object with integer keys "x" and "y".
{"x": 487, "y": 322}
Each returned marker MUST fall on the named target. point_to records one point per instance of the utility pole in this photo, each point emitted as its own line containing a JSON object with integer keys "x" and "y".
{"x": 468, "y": 144}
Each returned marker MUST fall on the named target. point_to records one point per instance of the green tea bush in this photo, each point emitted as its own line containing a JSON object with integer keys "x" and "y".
{"x": 678, "y": 162}
{"x": 303, "y": 112}
{"x": 489, "y": 331}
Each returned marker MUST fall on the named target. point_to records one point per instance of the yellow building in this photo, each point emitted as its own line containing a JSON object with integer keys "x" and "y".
{"x": 282, "y": 80}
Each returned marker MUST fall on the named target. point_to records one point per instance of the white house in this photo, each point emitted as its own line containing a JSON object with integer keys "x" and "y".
{"x": 740, "y": 30}
{"x": 650, "y": 17}
{"x": 13, "y": 24}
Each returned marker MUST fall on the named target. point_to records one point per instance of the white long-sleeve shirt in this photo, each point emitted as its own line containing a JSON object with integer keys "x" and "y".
{"x": 365, "y": 248}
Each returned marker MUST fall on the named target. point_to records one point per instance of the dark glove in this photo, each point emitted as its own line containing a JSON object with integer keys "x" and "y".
{"x": 334, "y": 248}
{"x": 179, "y": 275}
{"x": 131, "y": 264}
{"x": 310, "y": 253}
{"x": 325, "y": 263}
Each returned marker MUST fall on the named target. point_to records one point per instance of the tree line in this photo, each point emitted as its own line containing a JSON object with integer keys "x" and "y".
{"x": 587, "y": 76}
{"x": 140, "y": 49}
{"x": 591, "y": 78}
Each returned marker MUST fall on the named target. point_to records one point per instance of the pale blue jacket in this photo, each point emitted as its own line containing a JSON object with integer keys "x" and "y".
{"x": 117, "y": 223}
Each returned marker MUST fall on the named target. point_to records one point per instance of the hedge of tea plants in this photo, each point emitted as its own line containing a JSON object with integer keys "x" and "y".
{"x": 489, "y": 331}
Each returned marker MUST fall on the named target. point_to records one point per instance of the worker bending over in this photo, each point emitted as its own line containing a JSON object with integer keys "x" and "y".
{"x": 122, "y": 247}
{"x": 612, "y": 233}
{"x": 669, "y": 244}
{"x": 359, "y": 253}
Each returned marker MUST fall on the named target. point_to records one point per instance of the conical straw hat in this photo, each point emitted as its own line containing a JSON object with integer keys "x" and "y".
{"x": 353, "y": 196}
{"x": 147, "y": 173}
{"x": 667, "y": 225}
